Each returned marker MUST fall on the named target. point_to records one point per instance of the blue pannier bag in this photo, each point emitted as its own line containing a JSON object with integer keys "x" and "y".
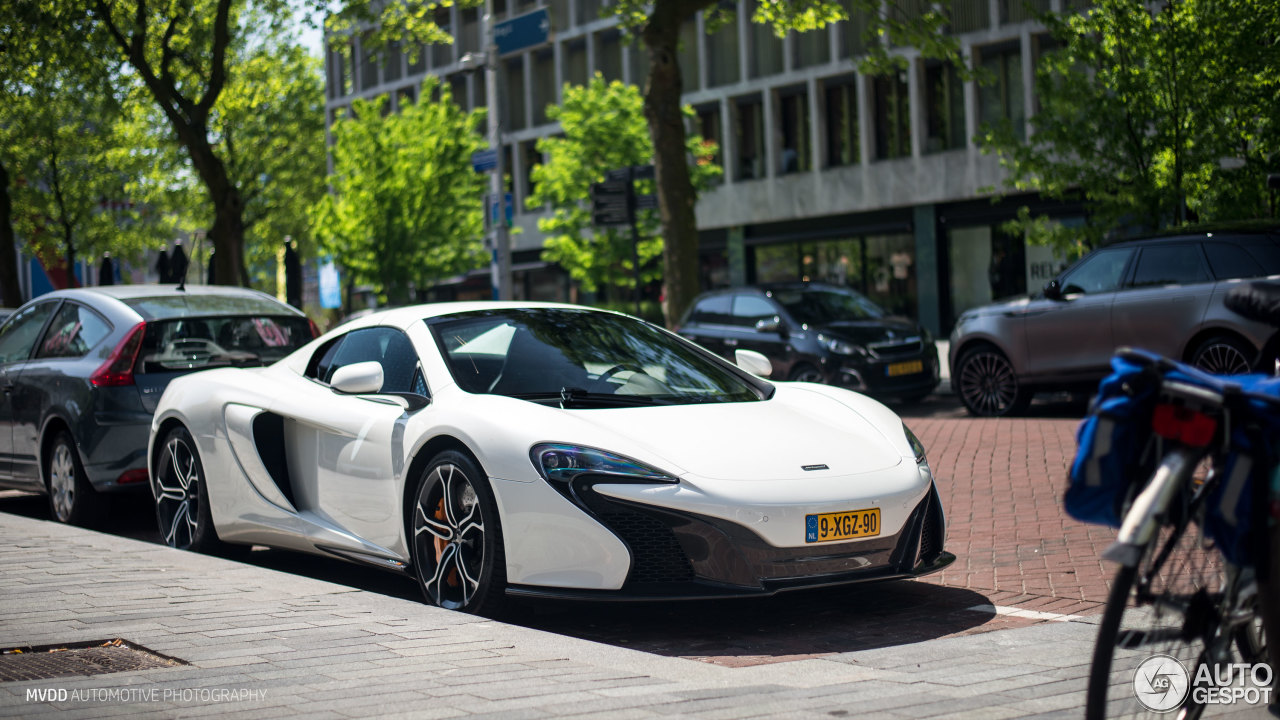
{"x": 1115, "y": 449}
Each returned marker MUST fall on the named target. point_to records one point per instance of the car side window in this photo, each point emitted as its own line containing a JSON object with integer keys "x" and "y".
{"x": 389, "y": 347}
{"x": 18, "y": 336}
{"x": 1181, "y": 264}
{"x": 75, "y": 330}
{"x": 1100, "y": 272}
{"x": 749, "y": 309}
{"x": 1229, "y": 261}
{"x": 714, "y": 309}
{"x": 1267, "y": 254}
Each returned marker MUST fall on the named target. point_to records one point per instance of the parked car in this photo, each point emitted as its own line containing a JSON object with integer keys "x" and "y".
{"x": 1161, "y": 294}
{"x": 493, "y": 449}
{"x": 818, "y": 333}
{"x": 82, "y": 370}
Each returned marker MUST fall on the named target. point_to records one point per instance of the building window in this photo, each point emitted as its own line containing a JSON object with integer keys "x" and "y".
{"x": 469, "y": 39}
{"x": 544, "y": 84}
{"x": 811, "y": 48}
{"x": 406, "y": 96}
{"x": 853, "y": 32}
{"x": 559, "y": 11}
{"x": 1001, "y": 99}
{"x": 590, "y": 10}
{"x": 764, "y": 57}
{"x": 575, "y": 62}
{"x": 458, "y": 88}
{"x": 969, "y": 15}
{"x": 882, "y": 267}
{"x": 709, "y": 128}
{"x": 690, "y": 70}
{"x": 532, "y": 159}
{"x": 843, "y": 142}
{"x": 639, "y": 62}
{"x": 944, "y": 107}
{"x": 442, "y": 54}
{"x": 1015, "y": 11}
{"x": 340, "y": 71}
{"x": 417, "y": 55}
{"x": 892, "y": 108}
{"x": 609, "y": 55}
{"x": 391, "y": 66}
{"x": 513, "y": 103}
{"x": 723, "y": 66}
{"x": 481, "y": 95}
{"x": 797, "y": 148}
{"x": 368, "y": 64}
{"x": 750, "y": 138}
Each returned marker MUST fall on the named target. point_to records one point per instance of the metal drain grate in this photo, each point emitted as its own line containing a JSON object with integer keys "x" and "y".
{"x": 92, "y": 658}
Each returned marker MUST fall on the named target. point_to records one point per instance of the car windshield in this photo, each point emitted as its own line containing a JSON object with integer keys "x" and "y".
{"x": 581, "y": 358}
{"x": 823, "y": 307}
{"x": 195, "y": 343}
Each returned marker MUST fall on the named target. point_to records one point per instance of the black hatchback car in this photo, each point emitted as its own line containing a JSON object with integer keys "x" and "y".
{"x": 81, "y": 372}
{"x": 818, "y": 333}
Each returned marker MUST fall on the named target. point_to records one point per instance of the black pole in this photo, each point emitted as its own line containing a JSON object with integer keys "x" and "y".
{"x": 635, "y": 233}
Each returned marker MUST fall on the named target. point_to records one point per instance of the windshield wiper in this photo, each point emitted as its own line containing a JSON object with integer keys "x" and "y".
{"x": 574, "y": 397}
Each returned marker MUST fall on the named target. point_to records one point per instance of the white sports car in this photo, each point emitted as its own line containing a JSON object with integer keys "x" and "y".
{"x": 505, "y": 449}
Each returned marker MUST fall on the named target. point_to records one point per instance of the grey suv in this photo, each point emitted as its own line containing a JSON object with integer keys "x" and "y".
{"x": 1162, "y": 294}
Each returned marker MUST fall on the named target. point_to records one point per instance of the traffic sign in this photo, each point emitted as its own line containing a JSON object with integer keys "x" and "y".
{"x": 492, "y": 200}
{"x": 647, "y": 202}
{"x": 484, "y": 160}
{"x": 522, "y": 32}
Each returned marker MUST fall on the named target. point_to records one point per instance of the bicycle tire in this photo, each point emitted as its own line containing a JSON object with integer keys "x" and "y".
{"x": 1266, "y": 505}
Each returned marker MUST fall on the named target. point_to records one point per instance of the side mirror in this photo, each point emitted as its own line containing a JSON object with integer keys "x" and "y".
{"x": 357, "y": 379}
{"x": 1053, "y": 290}
{"x": 753, "y": 362}
{"x": 771, "y": 325}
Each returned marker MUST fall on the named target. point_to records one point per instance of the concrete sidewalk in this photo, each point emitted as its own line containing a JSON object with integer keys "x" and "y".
{"x": 260, "y": 643}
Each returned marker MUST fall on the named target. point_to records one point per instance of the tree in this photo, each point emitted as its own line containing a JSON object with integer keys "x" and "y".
{"x": 404, "y": 211}
{"x": 1151, "y": 116}
{"x": 604, "y": 128}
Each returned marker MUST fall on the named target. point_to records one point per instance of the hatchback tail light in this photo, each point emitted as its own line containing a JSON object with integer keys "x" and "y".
{"x": 1185, "y": 425}
{"x": 118, "y": 369}
{"x": 315, "y": 331}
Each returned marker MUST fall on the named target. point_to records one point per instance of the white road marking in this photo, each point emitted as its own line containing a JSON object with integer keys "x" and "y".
{"x": 1019, "y": 612}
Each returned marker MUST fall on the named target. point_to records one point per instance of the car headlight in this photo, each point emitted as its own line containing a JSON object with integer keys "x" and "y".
{"x": 916, "y": 446}
{"x": 561, "y": 463}
{"x": 840, "y": 347}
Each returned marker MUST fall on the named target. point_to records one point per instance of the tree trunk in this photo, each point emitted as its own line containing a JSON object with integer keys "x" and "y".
{"x": 227, "y": 232}
{"x": 676, "y": 197}
{"x": 10, "y": 292}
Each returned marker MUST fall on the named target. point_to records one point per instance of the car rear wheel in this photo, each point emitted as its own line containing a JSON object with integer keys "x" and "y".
{"x": 72, "y": 498}
{"x": 1222, "y": 355}
{"x": 457, "y": 537}
{"x": 806, "y": 373}
{"x": 182, "y": 500}
{"x": 987, "y": 384}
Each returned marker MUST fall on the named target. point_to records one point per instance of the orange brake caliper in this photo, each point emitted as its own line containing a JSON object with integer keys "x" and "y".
{"x": 440, "y": 544}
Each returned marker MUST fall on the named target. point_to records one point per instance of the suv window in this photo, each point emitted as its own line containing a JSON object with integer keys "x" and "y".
{"x": 1267, "y": 254}
{"x": 19, "y": 335}
{"x": 73, "y": 332}
{"x": 748, "y": 309}
{"x": 1181, "y": 264}
{"x": 1100, "y": 272}
{"x": 1229, "y": 261}
{"x": 386, "y": 346}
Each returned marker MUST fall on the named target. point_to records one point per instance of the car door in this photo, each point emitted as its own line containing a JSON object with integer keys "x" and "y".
{"x": 750, "y": 310}
{"x": 1166, "y": 300}
{"x": 1072, "y": 335}
{"x": 347, "y": 450}
{"x": 18, "y": 339}
{"x": 708, "y": 323}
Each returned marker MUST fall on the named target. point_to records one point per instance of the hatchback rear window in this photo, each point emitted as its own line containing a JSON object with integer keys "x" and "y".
{"x": 196, "y": 343}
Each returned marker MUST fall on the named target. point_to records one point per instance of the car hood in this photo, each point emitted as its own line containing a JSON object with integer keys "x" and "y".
{"x": 866, "y": 332}
{"x": 1013, "y": 304}
{"x": 767, "y": 440}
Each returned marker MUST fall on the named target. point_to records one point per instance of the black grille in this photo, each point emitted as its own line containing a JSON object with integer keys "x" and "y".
{"x": 897, "y": 348}
{"x": 656, "y": 555}
{"x": 931, "y": 533}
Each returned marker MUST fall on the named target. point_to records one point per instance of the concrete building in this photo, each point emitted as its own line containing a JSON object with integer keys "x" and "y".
{"x": 870, "y": 181}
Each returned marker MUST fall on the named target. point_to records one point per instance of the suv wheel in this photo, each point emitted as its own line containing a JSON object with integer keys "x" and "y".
{"x": 987, "y": 384}
{"x": 1222, "y": 355}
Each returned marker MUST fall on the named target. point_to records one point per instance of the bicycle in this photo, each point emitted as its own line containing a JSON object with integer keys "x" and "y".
{"x": 1197, "y": 538}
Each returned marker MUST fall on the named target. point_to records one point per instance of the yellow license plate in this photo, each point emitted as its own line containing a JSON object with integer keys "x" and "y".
{"x": 841, "y": 525}
{"x": 910, "y": 367}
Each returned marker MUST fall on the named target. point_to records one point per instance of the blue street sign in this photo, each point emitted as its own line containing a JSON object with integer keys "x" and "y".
{"x": 493, "y": 208}
{"x": 522, "y": 32}
{"x": 484, "y": 160}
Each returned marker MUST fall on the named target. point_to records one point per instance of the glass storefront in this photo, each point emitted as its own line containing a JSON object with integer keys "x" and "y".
{"x": 882, "y": 267}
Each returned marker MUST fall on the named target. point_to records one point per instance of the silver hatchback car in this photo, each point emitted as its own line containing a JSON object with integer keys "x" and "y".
{"x": 1161, "y": 294}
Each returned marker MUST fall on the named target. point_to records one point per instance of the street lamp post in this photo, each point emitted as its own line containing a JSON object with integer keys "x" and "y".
{"x": 500, "y": 267}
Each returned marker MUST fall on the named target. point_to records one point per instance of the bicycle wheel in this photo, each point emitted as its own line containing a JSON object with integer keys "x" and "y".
{"x": 1168, "y": 606}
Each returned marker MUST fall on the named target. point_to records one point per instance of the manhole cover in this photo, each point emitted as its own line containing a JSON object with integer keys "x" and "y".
{"x": 92, "y": 658}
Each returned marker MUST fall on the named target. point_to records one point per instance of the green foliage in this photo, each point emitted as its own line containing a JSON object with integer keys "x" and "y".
{"x": 1139, "y": 108}
{"x": 405, "y": 208}
{"x": 604, "y": 129}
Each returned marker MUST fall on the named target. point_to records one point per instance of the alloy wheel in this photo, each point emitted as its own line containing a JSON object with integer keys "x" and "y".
{"x": 1222, "y": 358}
{"x": 62, "y": 482}
{"x": 807, "y": 374}
{"x": 178, "y": 497}
{"x": 988, "y": 384}
{"x": 448, "y": 533}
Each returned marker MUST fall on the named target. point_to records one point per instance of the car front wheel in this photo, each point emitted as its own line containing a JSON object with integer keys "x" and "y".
{"x": 988, "y": 385}
{"x": 457, "y": 537}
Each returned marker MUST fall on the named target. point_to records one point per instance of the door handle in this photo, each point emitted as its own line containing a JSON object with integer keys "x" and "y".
{"x": 731, "y": 342}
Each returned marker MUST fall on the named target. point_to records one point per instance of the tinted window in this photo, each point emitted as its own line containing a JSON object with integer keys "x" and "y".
{"x": 18, "y": 336}
{"x": 749, "y": 309}
{"x": 175, "y": 306}
{"x": 386, "y": 346}
{"x": 1267, "y": 254}
{"x": 714, "y": 309}
{"x": 1100, "y": 272}
{"x": 540, "y": 354}
{"x": 1229, "y": 261}
{"x": 1181, "y": 264}
{"x": 196, "y": 343}
{"x": 73, "y": 332}
{"x": 821, "y": 307}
